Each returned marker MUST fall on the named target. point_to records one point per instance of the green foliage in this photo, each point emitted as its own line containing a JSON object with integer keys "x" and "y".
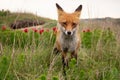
{"x": 4, "y": 65}
{"x": 7, "y": 17}
{"x": 86, "y": 39}
{"x": 108, "y": 37}
{"x": 28, "y": 56}
{"x": 51, "y": 24}
{"x": 22, "y": 39}
{"x": 72, "y": 63}
{"x": 43, "y": 77}
{"x": 91, "y": 39}
{"x": 4, "y": 13}
{"x": 55, "y": 78}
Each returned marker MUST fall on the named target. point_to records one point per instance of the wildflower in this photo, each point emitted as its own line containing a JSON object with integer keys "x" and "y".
{"x": 34, "y": 29}
{"x": 54, "y": 29}
{"x": 88, "y": 30}
{"x": 25, "y": 30}
{"x": 41, "y": 31}
{"x": 3, "y": 28}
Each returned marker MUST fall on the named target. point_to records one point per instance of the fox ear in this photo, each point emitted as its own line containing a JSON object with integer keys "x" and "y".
{"x": 78, "y": 10}
{"x": 60, "y": 10}
{"x": 58, "y": 7}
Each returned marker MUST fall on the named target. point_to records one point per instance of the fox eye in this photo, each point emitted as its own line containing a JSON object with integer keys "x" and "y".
{"x": 74, "y": 24}
{"x": 64, "y": 23}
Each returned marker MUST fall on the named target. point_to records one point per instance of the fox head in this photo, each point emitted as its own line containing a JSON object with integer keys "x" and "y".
{"x": 68, "y": 23}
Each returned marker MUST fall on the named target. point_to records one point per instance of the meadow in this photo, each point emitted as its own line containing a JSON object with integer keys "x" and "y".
{"x": 27, "y": 54}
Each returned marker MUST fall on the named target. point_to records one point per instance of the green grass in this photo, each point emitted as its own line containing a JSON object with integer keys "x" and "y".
{"x": 7, "y": 18}
{"x": 28, "y": 56}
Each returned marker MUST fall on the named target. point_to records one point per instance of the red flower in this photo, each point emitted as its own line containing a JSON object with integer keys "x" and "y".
{"x": 3, "y": 28}
{"x": 54, "y": 29}
{"x": 88, "y": 30}
{"x": 25, "y": 30}
{"x": 41, "y": 31}
{"x": 34, "y": 29}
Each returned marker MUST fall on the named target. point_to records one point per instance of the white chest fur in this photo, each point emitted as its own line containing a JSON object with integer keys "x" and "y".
{"x": 68, "y": 43}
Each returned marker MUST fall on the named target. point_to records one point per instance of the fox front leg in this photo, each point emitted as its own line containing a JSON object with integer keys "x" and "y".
{"x": 55, "y": 50}
{"x": 64, "y": 62}
{"x": 74, "y": 55}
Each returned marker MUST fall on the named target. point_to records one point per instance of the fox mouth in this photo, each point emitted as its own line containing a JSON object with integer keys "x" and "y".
{"x": 69, "y": 33}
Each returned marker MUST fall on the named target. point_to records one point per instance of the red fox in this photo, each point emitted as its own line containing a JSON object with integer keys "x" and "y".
{"x": 68, "y": 34}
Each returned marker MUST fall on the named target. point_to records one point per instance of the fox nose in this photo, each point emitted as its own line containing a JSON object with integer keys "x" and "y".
{"x": 69, "y": 32}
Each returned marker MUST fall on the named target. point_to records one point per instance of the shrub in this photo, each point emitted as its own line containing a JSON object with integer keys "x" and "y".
{"x": 4, "y": 65}
{"x": 91, "y": 39}
{"x": 22, "y": 39}
{"x": 86, "y": 39}
{"x": 4, "y": 13}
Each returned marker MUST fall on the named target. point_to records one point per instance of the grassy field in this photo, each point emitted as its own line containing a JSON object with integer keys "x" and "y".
{"x": 27, "y": 55}
{"x": 7, "y": 18}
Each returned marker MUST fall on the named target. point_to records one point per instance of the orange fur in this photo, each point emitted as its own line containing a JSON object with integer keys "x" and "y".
{"x": 68, "y": 35}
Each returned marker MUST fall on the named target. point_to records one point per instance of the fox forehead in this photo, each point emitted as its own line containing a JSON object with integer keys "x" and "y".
{"x": 68, "y": 17}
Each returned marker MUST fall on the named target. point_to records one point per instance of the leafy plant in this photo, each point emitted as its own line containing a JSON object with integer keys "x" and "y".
{"x": 91, "y": 39}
